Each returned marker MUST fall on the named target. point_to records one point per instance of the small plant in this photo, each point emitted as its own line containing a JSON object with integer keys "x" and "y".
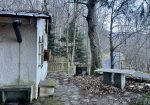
{"x": 52, "y": 83}
{"x": 48, "y": 101}
{"x": 144, "y": 100}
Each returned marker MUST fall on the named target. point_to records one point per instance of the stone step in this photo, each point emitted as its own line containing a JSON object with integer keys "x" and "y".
{"x": 46, "y": 87}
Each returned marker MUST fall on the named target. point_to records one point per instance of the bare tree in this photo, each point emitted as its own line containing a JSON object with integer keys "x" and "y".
{"x": 92, "y": 33}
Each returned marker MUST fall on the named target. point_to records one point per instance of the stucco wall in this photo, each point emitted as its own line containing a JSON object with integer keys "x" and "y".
{"x": 10, "y": 50}
{"x": 41, "y": 71}
{"x": 28, "y": 50}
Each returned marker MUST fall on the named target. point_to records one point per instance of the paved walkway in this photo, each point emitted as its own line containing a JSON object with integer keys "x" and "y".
{"x": 141, "y": 75}
{"x": 72, "y": 95}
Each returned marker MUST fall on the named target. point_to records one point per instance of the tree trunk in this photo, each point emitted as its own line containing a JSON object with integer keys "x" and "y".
{"x": 111, "y": 54}
{"x": 111, "y": 43}
{"x": 67, "y": 50}
{"x": 75, "y": 32}
{"x": 93, "y": 36}
{"x": 73, "y": 47}
{"x": 67, "y": 41}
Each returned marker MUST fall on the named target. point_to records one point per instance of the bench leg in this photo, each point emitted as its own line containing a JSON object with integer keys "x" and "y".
{"x": 107, "y": 78}
{"x": 119, "y": 80}
{"x": 2, "y": 97}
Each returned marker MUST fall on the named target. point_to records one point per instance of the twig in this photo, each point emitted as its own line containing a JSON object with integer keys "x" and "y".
{"x": 79, "y": 3}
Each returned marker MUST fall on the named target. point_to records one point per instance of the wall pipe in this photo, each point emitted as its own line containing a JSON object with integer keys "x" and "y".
{"x": 16, "y": 24}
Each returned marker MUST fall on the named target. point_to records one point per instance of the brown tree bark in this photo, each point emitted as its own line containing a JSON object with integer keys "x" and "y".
{"x": 93, "y": 36}
{"x": 111, "y": 42}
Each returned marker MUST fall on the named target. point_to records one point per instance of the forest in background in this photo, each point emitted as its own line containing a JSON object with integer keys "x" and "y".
{"x": 86, "y": 31}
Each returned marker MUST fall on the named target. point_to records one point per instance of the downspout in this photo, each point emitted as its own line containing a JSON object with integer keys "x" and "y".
{"x": 16, "y": 25}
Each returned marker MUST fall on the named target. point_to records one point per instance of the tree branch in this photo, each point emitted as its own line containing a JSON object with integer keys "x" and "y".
{"x": 120, "y": 26}
{"x": 78, "y": 3}
{"x": 126, "y": 39}
{"x": 85, "y": 16}
{"x": 31, "y": 4}
{"x": 146, "y": 2}
{"x": 118, "y": 9}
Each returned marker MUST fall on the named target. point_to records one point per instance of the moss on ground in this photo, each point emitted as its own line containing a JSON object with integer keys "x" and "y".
{"x": 48, "y": 101}
{"x": 52, "y": 83}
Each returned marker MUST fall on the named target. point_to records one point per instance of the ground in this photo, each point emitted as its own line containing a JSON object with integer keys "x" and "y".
{"x": 78, "y": 91}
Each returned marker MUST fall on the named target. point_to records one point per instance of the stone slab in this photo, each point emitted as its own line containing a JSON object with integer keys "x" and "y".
{"x": 122, "y": 71}
{"x": 15, "y": 87}
{"x": 47, "y": 83}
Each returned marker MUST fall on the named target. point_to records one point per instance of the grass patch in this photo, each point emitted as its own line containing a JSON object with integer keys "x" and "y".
{"x": 144, "y": 100}
{"x": 146, "y": 95}
{"x": 52, "y": 83}
{"x": 48, "y": 101}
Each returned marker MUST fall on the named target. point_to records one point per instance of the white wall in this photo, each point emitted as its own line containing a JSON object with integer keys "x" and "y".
{"x": 29, "y": 72}
{"x": 41, "y": 71}
{"x": 9, "y": 55}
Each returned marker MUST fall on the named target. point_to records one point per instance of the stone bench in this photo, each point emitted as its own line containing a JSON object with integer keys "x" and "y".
{"x": 117, "y": 76}
{"x": 16, "y": 93}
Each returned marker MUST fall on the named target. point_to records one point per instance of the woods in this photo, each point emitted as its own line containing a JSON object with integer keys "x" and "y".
{"x": 84, "y": 31}
{"x": 75, "y": 52}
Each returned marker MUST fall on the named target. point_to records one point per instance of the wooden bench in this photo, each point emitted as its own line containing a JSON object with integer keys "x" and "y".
{"x": 117, "y": 76}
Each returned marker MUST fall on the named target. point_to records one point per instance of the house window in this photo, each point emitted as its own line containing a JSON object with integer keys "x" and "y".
{"x": 41, "y": 52}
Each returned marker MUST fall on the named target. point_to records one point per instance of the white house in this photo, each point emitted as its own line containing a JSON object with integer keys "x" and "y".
{"x": 23, "y": 39}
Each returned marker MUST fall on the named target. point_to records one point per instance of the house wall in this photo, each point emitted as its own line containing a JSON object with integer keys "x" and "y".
{"x": 18, "y": 62}
{"x": 41, "y": 70}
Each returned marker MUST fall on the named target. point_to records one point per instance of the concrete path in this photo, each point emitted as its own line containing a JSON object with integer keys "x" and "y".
{"x": 141, "y": 75}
